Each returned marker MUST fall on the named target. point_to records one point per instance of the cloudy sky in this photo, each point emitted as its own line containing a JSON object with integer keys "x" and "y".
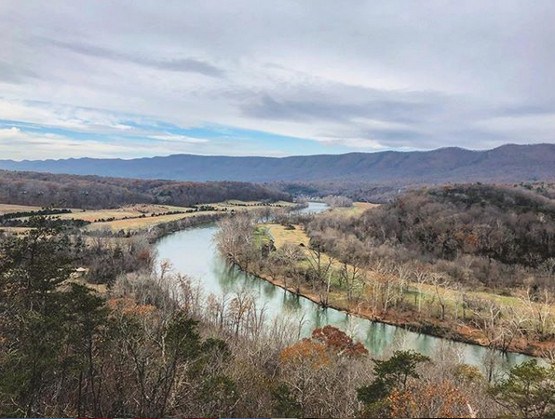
{"x": 144, "y": 78}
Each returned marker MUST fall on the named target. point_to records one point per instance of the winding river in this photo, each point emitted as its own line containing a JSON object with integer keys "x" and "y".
{"x": 193, "y": 252}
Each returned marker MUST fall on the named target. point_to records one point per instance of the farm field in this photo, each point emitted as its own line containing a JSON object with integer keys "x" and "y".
{"x": 151, "y": 218}
{"x": 9, "y": 208}
{"x": 138, "y": 216}
{"x": 143, "y": 222}
{"x": 93, "y": 216}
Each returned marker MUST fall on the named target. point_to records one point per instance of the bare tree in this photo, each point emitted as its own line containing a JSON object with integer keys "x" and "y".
{"x": 441, "y": 284}
{"x": 320, "y": 271}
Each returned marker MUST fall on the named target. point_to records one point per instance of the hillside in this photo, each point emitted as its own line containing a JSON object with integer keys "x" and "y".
{"x": 526, "y": 163}
{"x": 44, "y": 189}
{"x": 479, "y": 234}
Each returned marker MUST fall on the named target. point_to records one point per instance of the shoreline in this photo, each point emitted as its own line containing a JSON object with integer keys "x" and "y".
{"x": 440, "y": 330}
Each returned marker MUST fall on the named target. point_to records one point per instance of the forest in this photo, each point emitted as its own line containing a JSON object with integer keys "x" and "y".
{"x": 481, "y": 235}
{"x": 153, "y": 345}
{"x": 57, "y": 190}
{"x": 92, "y": 325}
{"x": 380, "y": 192}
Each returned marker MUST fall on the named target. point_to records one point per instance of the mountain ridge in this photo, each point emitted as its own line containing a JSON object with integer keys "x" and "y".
{"x": 506, "y": 163}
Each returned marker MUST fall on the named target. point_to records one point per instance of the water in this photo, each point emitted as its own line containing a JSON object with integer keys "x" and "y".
{"x": 314, "y": 208}
{"x": 193, "y": 252}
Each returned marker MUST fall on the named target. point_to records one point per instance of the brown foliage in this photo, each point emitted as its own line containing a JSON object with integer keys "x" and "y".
{"x": 430, "y": 400}
{"x": 326, "y": 343}
{"x": 306, "y": 351}
{"x": 338, "y": 341}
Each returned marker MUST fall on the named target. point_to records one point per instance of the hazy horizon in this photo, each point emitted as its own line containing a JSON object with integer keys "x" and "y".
{"x": 276, "y": 157}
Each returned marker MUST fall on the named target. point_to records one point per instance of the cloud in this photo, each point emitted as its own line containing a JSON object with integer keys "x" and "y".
{"x": 35, "y": 143}
{"x": 20, "y": 145}
{"x": 306, "y": 77}
{"x": 188, "y": 64}
{"x": 179, "y": 139}
{"x": 333, "y": 102}
{"x": 12, "y": 74}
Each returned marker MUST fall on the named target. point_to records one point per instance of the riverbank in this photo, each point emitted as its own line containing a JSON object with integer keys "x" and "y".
{"x": 452, "y": 312}
{"x": 407, "y": 320}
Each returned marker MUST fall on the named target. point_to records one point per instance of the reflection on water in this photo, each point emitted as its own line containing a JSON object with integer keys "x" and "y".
{"x": 193, "y": 252}
{"x": 291, "y": 303}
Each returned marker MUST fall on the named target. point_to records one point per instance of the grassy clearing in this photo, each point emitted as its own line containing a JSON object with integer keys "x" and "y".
{"x": 92, "y": 216}
{"x": 282, "y": 235}
{"x": 9, "y": 208}
{"x": 141, "y": 223}
{"x": 261, "y": 236}
{"x": 150, "y": 220}
{"x": 138, "y": 216}
{"x": 354, "y": 211}
{"x": 426, "y": 292}
{"x": 121, "y": 213}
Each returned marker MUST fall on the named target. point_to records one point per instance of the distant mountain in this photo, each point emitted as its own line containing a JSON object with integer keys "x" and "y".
{"x": 508, "y": 163}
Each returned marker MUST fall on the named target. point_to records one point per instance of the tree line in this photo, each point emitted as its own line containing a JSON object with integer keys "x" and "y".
{"x": 55, "y": 190}
{"x": 478, "y": 234}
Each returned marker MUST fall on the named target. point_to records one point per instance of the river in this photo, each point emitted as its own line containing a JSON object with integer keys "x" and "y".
{"x": 193, "y": 252}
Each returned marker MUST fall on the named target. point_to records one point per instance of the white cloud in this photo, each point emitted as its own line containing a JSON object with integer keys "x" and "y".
{"x": 20, "y": 145}
{"x": 367, "y": 76}
{"x": 179, "y": 139}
